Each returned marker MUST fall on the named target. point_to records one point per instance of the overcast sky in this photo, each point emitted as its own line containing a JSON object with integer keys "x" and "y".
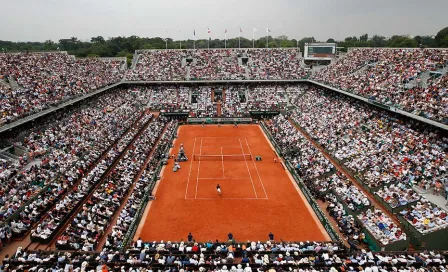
{"x": 40, "y": 20}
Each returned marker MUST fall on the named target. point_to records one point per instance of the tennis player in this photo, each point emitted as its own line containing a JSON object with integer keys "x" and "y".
{"x": 218, "y": 189}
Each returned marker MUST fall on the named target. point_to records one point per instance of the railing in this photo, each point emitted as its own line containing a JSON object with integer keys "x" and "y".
{"x": 105, "y": 58}
{"x": 429, "y": 240}
{"x": 394, "y": 109}
{"x": 34, "y": 51}
{"x": 41, "y": 112}
{"x": 51, "y": 181}
{"x": 334, "y": 236}
{"x": 148, "y": 192}
{"x": 217, "y": 49}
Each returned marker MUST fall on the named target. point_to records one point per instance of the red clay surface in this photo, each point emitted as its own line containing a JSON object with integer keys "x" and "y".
{"x": 257, "y": 196}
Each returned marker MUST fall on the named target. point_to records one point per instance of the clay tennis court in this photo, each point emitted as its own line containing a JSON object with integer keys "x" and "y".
{"x": 257, "y": 196}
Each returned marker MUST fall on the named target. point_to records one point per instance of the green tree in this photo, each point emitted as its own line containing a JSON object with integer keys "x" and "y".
{"x": 272, "y": 44}
{"x": 331, "y": 40}
{"x": 98, "y": 39}
{"x": 401, "y": 41}
{"x": 364, "y": 37}
{"x": 287, "y": 43}
{"x": 49, "y": 45}
{"x": 305, "y": 40}
{"x": 428, "y": 41}
{"x": 418, "y": 39}
{"x": 441, "y": 37}
{"x": 379, "y": 41}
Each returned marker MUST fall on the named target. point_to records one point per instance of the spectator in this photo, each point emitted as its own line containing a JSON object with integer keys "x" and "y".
{"x": 48, "y": 79}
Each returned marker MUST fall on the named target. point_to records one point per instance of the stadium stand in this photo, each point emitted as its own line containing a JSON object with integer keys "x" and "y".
{"x": 154, "y": 65}
{"x": 371, "y": 142}
{"x": 382, "y": 74}
{"x": 216, "y": 256}
{"x": 64, "y": 150}
{"x": 88, "y": 172}
{"x": 276, "y": 63}
{"x": 217, "y": 64}
{"x": 47, "y": 79}
{"x": 89, "y": 224}
{"x": 311, "y": 164}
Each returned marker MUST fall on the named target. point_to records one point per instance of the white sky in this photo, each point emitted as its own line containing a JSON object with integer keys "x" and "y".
{"x": 40, "y": 20}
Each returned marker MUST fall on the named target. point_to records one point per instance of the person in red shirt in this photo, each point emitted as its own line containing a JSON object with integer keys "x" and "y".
{"x": 195, "y": 248}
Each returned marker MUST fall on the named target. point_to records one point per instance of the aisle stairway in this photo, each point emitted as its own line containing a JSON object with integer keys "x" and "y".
{"x": 14, "y": 84}
{"x": 218, "y": 109}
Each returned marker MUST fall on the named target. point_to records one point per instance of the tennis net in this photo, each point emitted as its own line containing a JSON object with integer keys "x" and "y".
{"x": 235, "y": 157}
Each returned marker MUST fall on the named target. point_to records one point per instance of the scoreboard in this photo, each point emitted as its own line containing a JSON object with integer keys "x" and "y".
{"x": 320, "y": 51}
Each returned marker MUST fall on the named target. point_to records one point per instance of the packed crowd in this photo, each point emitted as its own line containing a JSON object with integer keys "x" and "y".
{"x": 375, "y": 145}
{"x": 8, "y": 168}
{"x": 48, "y": 79}
{"x": 201, "y": 102}
{"x": 295, "y": 92}
{"x": 381, "y": 74}
{"x": 134, "y": 204}
{"x": 324, "y": 187}
{"x": 91, "y": 222}
{"x": 381, "y": 226}
{"x": 265, "y": 98}
{"x": 222, "y": 257}
{"x": 64, "y": 150}
{"x": 216, "y": 65}
{"x": 305, "y": 158}
{"x": 81, "y": 186}
{"x": 384, "y": 152}
{"x": 235, "y": 102}
{"x": 343, "y": 188}
{"x": 397, "y": 195}
{"x": 425, "y": 216}
{"x": 301, "y": 153}
{"x": 157, "y": 65}
{"x": 350, "y": 194}
{"x": 347, "y": 225}
{"x": 275, "y": 63}
{"x": 169, "y": 98}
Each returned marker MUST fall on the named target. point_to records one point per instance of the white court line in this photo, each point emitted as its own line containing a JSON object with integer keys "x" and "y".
{"x": 226, "y": 198}
{"x": 199, "y": 167}
{"x": 247, "y": 165}
{"x": 191, "y": 164}
{"x": 222, "y": 160}
{"x": 221, "y": 146}
{"x": 225, "y": 178}
{"x": 256, "y": 168}
{"x": 218, "y": 137}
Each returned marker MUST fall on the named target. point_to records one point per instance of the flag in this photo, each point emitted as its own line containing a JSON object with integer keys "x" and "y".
{"x": 208, "y": 31}
{"x": 194, "y": 33}
{"x": 225, "y": 31}
{"x": 241, "y": 30}
{"x": 268, "y": 30}
{"x": 178, "y": 30}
